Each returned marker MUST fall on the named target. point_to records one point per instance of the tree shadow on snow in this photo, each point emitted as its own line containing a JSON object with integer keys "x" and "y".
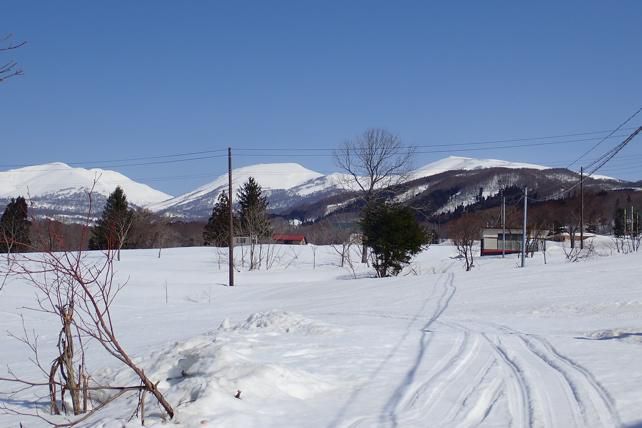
{"x": 40, "y": 405}
{"x": 637, "y": 424}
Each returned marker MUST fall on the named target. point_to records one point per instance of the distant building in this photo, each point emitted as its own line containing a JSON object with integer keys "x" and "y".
{"x": 493, "y": 243}
{"x": 289, "y": 239}
{"x": 244, "y": 240}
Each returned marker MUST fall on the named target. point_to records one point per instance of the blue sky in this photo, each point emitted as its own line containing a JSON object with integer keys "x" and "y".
{"x": 118, "y": 80}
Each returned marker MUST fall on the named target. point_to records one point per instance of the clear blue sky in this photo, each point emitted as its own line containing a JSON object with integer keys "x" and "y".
{"x": 127, "y": 79}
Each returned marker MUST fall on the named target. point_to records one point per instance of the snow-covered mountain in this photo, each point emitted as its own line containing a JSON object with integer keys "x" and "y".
{"x": 456, "y": 163}
{"x": 59, "y": 190}
{"x": 289, "y": 184}
{"x": 274, "y": 178}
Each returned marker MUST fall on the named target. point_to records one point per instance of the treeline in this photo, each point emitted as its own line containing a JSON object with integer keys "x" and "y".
{"x": 118, "y": 227}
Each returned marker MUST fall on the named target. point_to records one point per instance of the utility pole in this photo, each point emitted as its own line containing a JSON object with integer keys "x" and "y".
{"x": 503, "y": 216}
{"x": 230, "y": 250}
{"x": 581, "y": 208}
{"x": 524, "y": 226}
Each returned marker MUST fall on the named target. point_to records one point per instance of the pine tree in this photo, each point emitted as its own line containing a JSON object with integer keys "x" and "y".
{"x": 394, "y": 235}
{"x": 619, "y": 223}
{"x": 110, "y": 232}
{"x": 217, "y": 229}
{"x": 253, "y": 217}
{"x": 15, "y": 226}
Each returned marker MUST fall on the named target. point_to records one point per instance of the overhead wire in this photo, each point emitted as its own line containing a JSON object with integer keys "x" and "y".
{"x": 308, "y": 149}
{"x": 605, "y": 138}
{"x": 596, "y": 165}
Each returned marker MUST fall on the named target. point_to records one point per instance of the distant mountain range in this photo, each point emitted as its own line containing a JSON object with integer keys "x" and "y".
{"x": 60, "y": 191}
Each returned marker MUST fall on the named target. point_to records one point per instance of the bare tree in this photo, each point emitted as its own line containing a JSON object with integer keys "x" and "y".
{"x": 148, "y": 230}
{"x": 10, "y": 68}
{"x": 464, "y": 232}
{"x": 374, "y": 161}
{"x": 79, "y": 291}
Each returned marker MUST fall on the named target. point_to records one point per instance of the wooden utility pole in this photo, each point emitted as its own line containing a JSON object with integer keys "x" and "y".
{"x": 581, "y": 208}
{"x": 524, "y": 225}
{"x": 230, "y": 250}
{"x": 503, "y": 225}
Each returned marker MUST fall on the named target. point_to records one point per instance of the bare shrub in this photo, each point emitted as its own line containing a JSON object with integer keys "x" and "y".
{"x": 464, "y": 232}
{"x": 78, "y": 289}
{"x": 575, "y": 254}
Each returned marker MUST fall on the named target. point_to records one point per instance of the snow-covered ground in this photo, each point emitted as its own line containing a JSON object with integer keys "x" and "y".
{"x": 310, "y": 345}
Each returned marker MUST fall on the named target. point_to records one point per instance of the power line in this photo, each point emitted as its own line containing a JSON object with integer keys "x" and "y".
{"x": 135, "y": 164}
{"x": 408, "y": 149}
{"x": 605, "y": 138}
{"x": 135, "y": 159}
{"x": 305, "y": 149}
{"x": 602, "y": 160}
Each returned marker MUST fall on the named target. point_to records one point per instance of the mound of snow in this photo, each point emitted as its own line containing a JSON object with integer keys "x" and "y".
{"x": 59, "y": 178}
{"x": 280, "y": 322}
{"x": 626, "y": 334}
{"x": 202, "y": 375}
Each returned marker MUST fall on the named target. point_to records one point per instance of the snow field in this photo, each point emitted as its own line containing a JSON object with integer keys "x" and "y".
{"x": 549, "y": 345}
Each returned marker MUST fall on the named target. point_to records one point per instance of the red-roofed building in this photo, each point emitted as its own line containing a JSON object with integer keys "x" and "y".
{"x": 289, "y": 239}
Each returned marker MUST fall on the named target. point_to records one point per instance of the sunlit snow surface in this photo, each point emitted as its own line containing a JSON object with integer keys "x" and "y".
{"x": 310, "y": 345}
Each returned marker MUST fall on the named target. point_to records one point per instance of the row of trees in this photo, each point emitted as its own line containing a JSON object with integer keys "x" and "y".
{"x": 250, "y": 220}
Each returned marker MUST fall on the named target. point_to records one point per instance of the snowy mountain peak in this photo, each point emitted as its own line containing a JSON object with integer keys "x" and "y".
{"x": 453, "y": 163}
{"x": 271, "y": 176}
{"x": 58, "y": 178}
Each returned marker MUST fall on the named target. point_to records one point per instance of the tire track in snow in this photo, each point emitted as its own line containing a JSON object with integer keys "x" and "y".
{"x": 483, "y": 401}
{"x": 454, "y": 384}
{"x": 479, "y": 395}
{"x": 603, "y": 397}
{"x": 366, "y": 420}
{"x": 588, "y": 399}
{"x": 443, "y": 366}
{"x": 390, "y": 411}
{"x": 518, "y": 391}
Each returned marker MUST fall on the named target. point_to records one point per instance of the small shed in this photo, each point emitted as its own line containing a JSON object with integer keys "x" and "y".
{"x": 289, "y": 239}
{"x": 493, "y": 242}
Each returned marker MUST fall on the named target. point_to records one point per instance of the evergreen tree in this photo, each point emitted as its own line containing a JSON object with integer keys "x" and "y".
{"x": 110, "y": 232}
{"x": 619, "y": 223}
{"x": 253, "y": 217}
{"x": 394, "y": 235}
{"x": 15, "y": 226}
{"x": 217, "y": 229}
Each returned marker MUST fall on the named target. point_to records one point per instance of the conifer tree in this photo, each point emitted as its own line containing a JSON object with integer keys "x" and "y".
{"x": 110, "y": 232}
{"x": 15, "y": 226}
{"x": 253, "y": 217}
{"x": 619, "y": 223}
{"x": 217, "y": 229}
{"x": 394, "y": 235}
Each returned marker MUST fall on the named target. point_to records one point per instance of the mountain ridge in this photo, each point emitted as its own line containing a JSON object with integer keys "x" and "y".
{"x": 60, "y": 191}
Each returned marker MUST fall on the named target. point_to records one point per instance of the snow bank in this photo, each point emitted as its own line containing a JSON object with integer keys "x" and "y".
{"x": 280, "y": 322}
{"x": 203, "y": 375}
